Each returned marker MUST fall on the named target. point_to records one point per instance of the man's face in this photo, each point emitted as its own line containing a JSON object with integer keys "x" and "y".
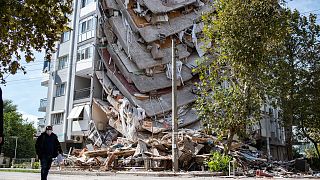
{"x": 49, "y": 132}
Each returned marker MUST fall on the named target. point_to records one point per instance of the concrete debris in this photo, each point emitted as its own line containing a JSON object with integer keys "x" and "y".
{"x": 195, "y": 147}
{"x": 134, "y": 71}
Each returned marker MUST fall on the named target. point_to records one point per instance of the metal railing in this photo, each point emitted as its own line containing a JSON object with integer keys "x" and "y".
{"x": 82, "y": 93}
{"x": 43, "y": 105}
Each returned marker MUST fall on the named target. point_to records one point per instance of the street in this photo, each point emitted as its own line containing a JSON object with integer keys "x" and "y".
{"x": 36, "y": 176}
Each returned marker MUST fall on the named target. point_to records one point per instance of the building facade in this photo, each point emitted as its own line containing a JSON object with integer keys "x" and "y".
{"x": 68, "y": 76}
{"x": 111, "y": 73}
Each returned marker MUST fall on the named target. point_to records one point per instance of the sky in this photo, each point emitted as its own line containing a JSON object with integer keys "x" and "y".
{"x": 25, "y": 90}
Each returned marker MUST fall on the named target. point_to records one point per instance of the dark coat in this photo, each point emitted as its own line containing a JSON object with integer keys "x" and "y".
{"x": 41, "y": 146}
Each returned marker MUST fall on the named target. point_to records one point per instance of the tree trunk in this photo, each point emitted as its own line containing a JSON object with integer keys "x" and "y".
{"x": 310, "y": 139}
{"x": 288, "y": 122}
{"x": 288, "y": 137}
{"x": 229, "y": 140}
{"x": 317, "y": 149}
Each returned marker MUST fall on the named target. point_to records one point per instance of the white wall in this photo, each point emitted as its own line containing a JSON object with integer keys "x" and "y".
{"x": 98, "y": 116}
{"x": 58, "y": 130}
{"x": 58, "y": 103}
{"x": 64, "y": 48}
{"x": 84, "y": 67}
{"x": 88, "y": 9}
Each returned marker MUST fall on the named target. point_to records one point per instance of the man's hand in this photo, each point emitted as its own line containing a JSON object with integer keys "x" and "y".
{"x": 0, "y": 140}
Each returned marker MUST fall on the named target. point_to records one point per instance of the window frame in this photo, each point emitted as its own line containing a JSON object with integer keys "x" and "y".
{"x": 59, "y": 90}
{"x": 86, "y": 28}
{"x": 57, "y": 118}
{"x": 65, "y": 65}
{"x": 63, "y": 37}
{"x": 85, "y": 3}
{"x": 85, "y": 52}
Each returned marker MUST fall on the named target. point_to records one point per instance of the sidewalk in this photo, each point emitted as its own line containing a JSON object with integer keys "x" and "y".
{"x": 114, "y": 173}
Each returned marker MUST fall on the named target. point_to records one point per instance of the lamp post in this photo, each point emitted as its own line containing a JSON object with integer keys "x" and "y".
{"x": 175, "y": 166}
{"x": 15, "y": 149}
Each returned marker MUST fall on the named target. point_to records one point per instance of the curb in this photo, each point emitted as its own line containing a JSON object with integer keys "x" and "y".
{"x": 113, "y": 173}
{"x": 144, "y": 173}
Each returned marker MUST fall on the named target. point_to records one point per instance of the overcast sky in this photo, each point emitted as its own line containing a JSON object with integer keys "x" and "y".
{"x": 26, "y": 90}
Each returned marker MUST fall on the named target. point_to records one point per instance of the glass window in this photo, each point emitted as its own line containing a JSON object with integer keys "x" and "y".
{"x": 60, "y": 90}
{"x": 85, "y": 53}
{"x": 84, "y": 3}
{"x": 62, "y": 63}
{"x": 65, "y": 36}
{"x": 86, "y": 25}
{"x": 57, "y": 118}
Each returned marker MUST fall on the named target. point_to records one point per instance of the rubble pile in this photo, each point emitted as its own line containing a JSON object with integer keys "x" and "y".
{"x": 195, "y": 147}
{"x": 134, "y": 69}
{"x": 153, "y": 153}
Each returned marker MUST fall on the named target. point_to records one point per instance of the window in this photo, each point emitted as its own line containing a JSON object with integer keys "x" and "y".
{"x": 62, "y": 62}
{"x": 57, "y": 119}
{"x": 84, "y": 3}
{"x": 86, "y": 25}
{"x": 65, "y": 36}
{"x": 84, "y": 53}
{"x": 86, "y": 29}
{"x": 60, "y": 90}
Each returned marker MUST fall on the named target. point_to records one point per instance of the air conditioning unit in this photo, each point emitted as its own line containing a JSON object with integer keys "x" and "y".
{"x": 77, "y": 139}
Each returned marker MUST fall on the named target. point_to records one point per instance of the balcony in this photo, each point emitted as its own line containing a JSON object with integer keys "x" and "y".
{"x": 82, "y": 94}
{"x": 43, "y": 105}
{"x": 87, "y": 9}
{"x": 41, "y": 122}
{"x": 45, "y": 79}
{"x": 86, "y": 35}
{"x": 84, "y": 68}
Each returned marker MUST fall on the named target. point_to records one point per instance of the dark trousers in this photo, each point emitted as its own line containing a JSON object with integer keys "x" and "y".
{"x": 45, "y": 166}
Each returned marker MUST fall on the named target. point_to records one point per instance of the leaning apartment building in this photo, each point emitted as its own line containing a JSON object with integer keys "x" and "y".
{"x": 111, "y": 74}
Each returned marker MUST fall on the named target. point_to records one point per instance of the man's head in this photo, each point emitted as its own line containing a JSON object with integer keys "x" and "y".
{"x": 49, "y": 130}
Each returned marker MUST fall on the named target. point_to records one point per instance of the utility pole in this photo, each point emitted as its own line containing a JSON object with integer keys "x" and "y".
{"x": 267, "y": 120}
{"x": 15, "y": 149}
{"x": 175, "y": 166}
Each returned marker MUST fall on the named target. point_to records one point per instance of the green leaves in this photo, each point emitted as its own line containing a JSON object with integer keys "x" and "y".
{"x": 29, "y": 25}
{"x": 15, "y": 125}
{"x": 296, "y": 76}
{"x": 247, "y": 36}
{"x": 218, "y": 162}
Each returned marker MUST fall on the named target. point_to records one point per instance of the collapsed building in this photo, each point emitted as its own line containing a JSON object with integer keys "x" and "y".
{"x": 134, "y": 52}
{"x": 119, "y": 77}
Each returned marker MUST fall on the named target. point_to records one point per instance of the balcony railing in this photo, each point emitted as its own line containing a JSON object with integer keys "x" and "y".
{"x": 43, "y": 105}
{"x": 82, "y": 93}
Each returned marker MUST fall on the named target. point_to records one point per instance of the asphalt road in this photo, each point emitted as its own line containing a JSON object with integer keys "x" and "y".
{"x": 36, "y": 176}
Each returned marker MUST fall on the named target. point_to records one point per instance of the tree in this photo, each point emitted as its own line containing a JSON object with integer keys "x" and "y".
{"x": 309, "y": 92}
{"x": 15, "y": 125}
{"x": 297, "y": 78}
{"x": 29, "y": 25}
{"x": 245, "y": 36}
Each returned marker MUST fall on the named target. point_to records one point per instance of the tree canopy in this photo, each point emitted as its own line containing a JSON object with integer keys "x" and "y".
{"x": 297, "y": 76}
{"x": 264, "y": 54}
{"x": 245, "y": 36}
{"x": 27, "y": 25}
{"x": 15, "y": 125}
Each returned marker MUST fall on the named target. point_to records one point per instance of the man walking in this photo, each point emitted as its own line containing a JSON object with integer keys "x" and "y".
{"x": 47, "y": 147}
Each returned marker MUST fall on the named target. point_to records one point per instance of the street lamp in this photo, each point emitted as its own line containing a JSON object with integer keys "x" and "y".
{"x": 15, "y": 149}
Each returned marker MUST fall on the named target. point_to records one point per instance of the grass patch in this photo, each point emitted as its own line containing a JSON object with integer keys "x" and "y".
{"x": 20, "y": 170}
